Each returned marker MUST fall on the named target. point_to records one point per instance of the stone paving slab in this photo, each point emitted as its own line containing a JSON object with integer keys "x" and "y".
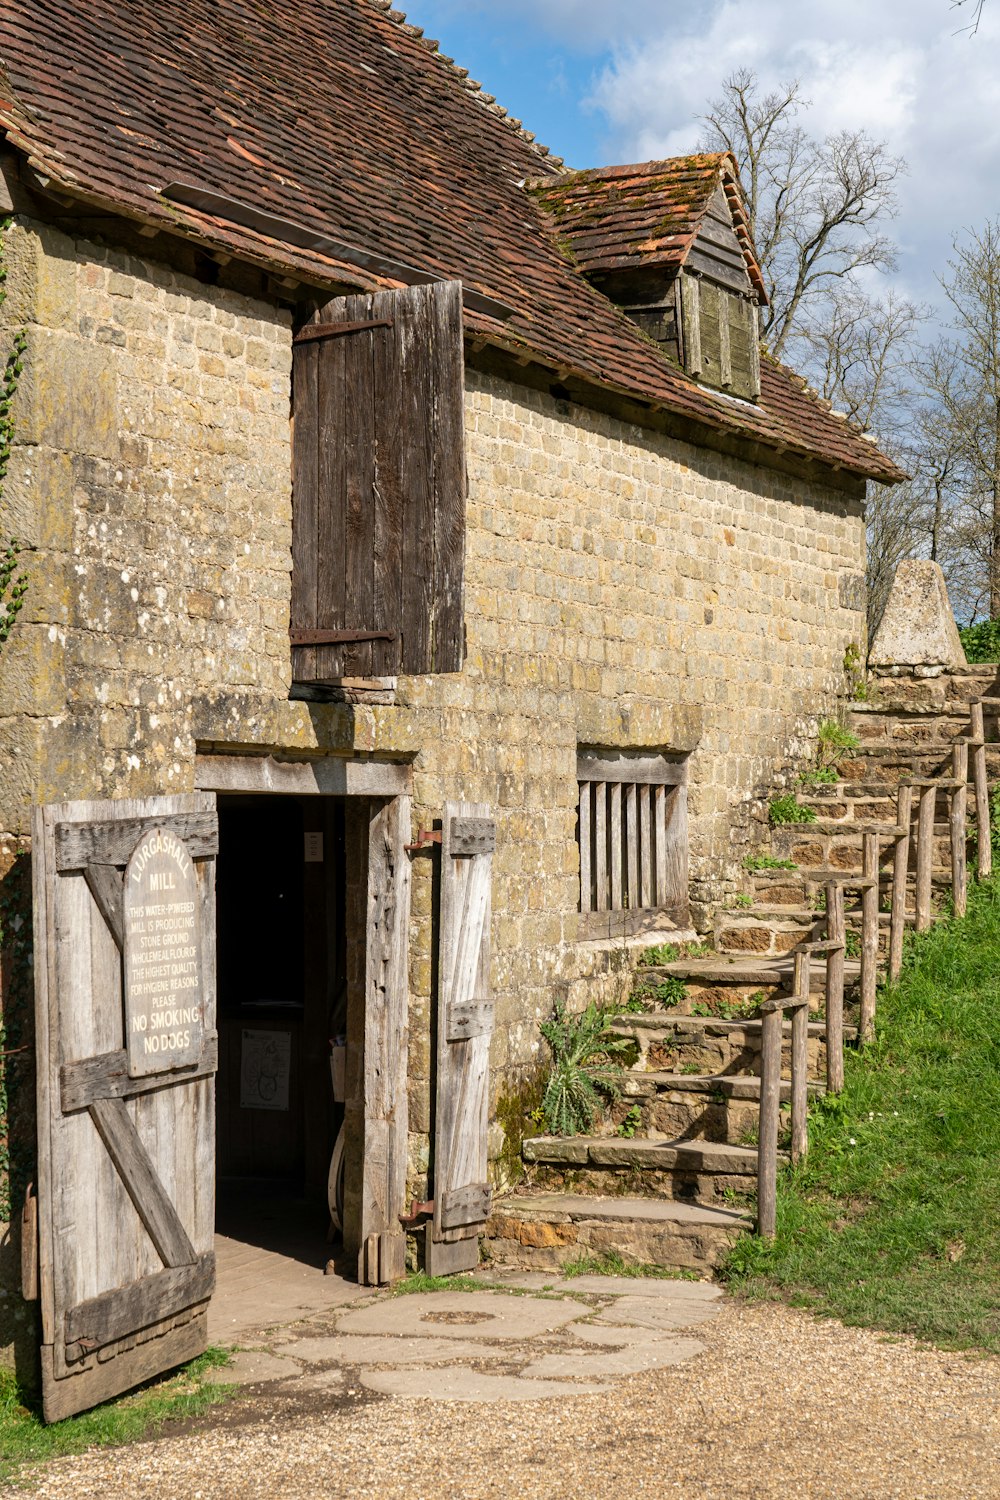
{"x": 547, "y": 1336}
{"x": 657, "y": 1354}
{"x": 470, "y": 1385}
{"x": 461, "y": 1315}
{"x": 371, "y": 1349}
{"x": 652, "y": 1312}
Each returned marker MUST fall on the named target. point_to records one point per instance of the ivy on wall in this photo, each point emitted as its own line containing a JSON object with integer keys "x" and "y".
{"x": 15, "y": 882}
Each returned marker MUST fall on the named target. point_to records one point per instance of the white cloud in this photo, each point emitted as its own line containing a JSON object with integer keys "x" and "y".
{"x": 896, "y": 69}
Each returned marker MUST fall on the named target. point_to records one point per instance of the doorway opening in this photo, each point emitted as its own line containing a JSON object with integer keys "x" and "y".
{"x": 284, "y": 952}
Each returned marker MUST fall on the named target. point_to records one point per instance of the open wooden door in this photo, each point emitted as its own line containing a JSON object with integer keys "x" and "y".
{"x": 464, "y": 1030}
{"x": 375, "y": 1185}
{"x": 124, "y": 930}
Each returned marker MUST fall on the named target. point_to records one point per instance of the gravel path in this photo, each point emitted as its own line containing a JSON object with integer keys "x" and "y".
{"x": 780, "y": 1404}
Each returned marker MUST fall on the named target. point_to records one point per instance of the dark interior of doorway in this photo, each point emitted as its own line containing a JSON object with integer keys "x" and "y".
{"x": 282, "y": 1017}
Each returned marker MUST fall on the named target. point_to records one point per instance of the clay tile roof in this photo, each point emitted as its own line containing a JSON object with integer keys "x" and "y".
{"x": 617, "y": 218}
{"x": 340, "y": 119}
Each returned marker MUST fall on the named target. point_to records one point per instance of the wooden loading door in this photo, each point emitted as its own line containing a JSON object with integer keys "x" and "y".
{"x": 126, "y": 1121}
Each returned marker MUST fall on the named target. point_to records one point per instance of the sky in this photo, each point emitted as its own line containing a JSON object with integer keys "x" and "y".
{"x": 602, "y": 81}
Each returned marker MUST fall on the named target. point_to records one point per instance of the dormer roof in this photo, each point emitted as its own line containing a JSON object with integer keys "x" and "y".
{"x": 645, "y": 216}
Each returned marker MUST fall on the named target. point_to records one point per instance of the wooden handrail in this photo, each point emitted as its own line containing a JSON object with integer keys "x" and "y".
{"x": 833, "y": 948}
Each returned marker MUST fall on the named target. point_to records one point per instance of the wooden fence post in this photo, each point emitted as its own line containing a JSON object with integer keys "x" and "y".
{"x": 900, "y": 869}
{"x": 767, "y": 1143}
{"x": 869, "y": 935}
{"x": 925, "y": 854}
{"x": 984, "y": 846}
{"x": 956, "y": 827}
{"x": 836, "y": 931}
{"x": 800, "y": 1058}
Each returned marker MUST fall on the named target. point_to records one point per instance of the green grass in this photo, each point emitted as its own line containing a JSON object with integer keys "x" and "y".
{"x": 767, "y": 862}
{"x": 788, "y": 809}
{"x": 893, "y": 1221}
{"x": 25, "y": 1439}
{"x": 612, "y": 1264}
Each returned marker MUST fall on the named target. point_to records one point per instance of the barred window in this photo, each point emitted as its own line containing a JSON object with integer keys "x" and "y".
{"x": 633, "y": 838}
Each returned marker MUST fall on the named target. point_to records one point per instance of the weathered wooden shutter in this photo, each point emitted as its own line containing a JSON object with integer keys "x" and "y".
{"x": 126, "y": 1161}
{"x": 464, "y": 1029}
{"x": 378, "y": 507}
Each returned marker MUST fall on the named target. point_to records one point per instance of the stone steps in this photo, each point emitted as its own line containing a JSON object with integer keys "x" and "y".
{"x": 735, "y": 979}
{"x": 542, "y": 1231}
{"x": 700, "y": 1170}
{"x": 702, "y": 1106}
{"x": 668, "y": 1041}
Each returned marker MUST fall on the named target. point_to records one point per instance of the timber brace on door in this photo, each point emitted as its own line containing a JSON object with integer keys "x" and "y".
{"x": 101, "y": 1085}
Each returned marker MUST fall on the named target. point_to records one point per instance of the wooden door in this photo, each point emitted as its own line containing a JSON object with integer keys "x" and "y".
{"x": 376, "y": 1107}
{"x": 124, "y": 931}
{"x": 464, "y": 1030}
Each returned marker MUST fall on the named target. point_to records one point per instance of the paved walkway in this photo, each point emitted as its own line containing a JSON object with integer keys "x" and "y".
{"x": 535, "y": 1386}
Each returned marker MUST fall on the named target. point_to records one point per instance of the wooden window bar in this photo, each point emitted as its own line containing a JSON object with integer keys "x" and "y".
{"x": 632, "y": 835}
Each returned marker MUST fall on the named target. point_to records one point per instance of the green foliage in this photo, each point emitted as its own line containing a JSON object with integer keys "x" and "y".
{"x": 654, "y": 994}
{"x": 13, "y": 582}
{"x": 630, "y": 1124}
{"x": 660, "y": 953}
{"x": 982, "y": 641}
{"x": 587, "y": 1060}
{"x": 893, "y": 1220}
{"x": 741, "y": 900}
{"x": 820, "y": 776}
{"x": 788, "y": 809}
{"x": 852, "y": 943}
{"x": 834, "y": 739}
{"x": 25, "y": 1439}
{"x": 767, "y": 862}
{"x": 730, "y": 1010}
{"x": 854, "y": 674}
{"x": 13, "y": 587}
{"x": 613, "y": 1264}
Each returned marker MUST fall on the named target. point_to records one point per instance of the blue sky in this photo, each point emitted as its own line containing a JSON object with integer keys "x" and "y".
{"x": 599, "y": 82}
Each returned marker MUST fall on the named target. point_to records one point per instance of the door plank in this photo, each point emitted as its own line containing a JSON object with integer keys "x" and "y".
{"x": 106, "y": 1077}
{"x": 384, "y": 1125}
{"x": 144, "y": 1187}
{"x": 111, "y": 842}
{"x": 116, "y": 1314}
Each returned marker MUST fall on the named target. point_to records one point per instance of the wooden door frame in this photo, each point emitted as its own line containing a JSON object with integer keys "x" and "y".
{"x": 372, "y": 1228}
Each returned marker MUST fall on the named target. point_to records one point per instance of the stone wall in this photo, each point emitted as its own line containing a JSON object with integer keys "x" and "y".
{"x": 623, "y": 589}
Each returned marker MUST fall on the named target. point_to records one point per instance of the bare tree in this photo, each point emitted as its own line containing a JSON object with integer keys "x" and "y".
{"x": 976, "y": 13}
{"x": 960, "y": 377}
{"x": 816, "y": 207}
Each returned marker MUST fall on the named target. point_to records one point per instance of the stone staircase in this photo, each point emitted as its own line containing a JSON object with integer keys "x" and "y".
{"x": 670, "y": 1177}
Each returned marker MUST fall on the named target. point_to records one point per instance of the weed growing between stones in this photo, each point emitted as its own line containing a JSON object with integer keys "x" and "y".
{"x": 587, "y": 1061}
{"x": 757, "y": 862}
{"x": 788, "y": 809}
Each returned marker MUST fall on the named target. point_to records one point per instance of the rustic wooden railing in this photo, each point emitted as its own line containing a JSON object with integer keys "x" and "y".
{"x": 834, "y": 949}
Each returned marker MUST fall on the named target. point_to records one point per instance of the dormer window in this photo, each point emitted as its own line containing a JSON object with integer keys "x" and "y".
{"x": 668, "y": 241}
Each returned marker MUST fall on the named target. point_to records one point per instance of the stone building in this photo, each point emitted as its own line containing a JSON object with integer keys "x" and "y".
{"x": 466, "y": 675}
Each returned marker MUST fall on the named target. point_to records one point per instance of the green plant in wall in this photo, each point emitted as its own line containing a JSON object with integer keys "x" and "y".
{"x": 587, "y": 1061}
{"x": 15, "y": 919}
{"x": 788, "y": 809}
{"x": 13, "y": 581}
{"x": 854, "y": 674}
